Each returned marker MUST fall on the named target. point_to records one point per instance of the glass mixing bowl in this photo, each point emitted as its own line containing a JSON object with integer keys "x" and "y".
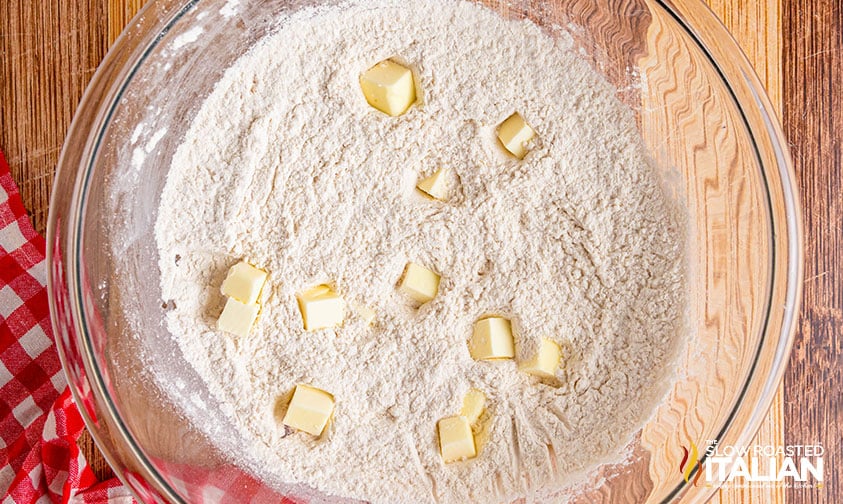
{"x": 701, "y": 111}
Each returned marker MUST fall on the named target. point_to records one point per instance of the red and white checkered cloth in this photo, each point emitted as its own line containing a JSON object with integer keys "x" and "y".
{"x": 40, "y": 461}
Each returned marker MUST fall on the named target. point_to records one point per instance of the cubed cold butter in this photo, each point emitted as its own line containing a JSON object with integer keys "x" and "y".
{"x": 546, "y": 361}
{"x": 435, "y": 186}
{"x": 492, "y": 339}
{"x": 367, "y": 314}
{"x": 309, "y": 410}
{"x": 456, "y": 441}
{"x": 389, "y": 87}
{"x": 419, "y": 283}
{"x": 514, "y": 134}
{"x": 321, "y": 307}
{"x": 237, "y": 318}
{"x": 473, "y": 405}
{"x": 244, "y": 282}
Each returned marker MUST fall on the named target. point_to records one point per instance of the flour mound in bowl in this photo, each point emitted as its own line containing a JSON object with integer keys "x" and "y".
{"x": 287, "y": 166}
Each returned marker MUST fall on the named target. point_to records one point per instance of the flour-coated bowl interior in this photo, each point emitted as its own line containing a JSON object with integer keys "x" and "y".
{"x": 700, "y": 111}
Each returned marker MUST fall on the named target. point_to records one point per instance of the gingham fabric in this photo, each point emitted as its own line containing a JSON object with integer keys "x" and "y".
{"x": 40, "y": 461}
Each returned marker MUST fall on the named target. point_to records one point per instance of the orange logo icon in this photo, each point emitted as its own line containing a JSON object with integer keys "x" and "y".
{"x": 690, "y": 461}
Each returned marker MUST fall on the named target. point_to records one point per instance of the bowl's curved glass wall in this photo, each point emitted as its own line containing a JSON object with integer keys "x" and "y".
{"x": 700, "y": 110}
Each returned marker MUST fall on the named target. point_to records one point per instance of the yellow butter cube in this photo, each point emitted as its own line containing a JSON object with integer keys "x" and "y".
{"x": 419, "y": 283}
{"x": 456, "y": 441}
{"x": 514, "y": 134}
{"x": 319, "y": 290}
{"x": 473, "y": 405}
{"x": 435, "y": 186}
{"x": 244, "y": 282}
{"x": 309, "y": 410}
{"x": 237, "y": 318}
{"x": 492, "y": 339}
{"x": 546, "y": 361}
{"x": 321, "y": 307}
{"x": 389, "y": 87}
{"x": 367, "y": 314}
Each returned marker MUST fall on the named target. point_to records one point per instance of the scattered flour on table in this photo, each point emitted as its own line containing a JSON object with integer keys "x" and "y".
{"x": 288, "y": 167}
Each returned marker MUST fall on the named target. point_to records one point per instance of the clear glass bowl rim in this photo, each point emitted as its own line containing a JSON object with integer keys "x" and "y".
{"x": 142, "y": 35}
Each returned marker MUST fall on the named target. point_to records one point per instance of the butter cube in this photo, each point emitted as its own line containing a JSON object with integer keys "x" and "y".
{"x": 321, "y": 307}
{"x": 456, "y": 441}
{"x": 319, "y": 290}
{"x": 473, "y": 405}
{"x": 435, "y": 186}
{"x": 514, "y": 134}
{"x": 389, "y": 87}
{"x": 546, "y": 361}
{"x": 237, "y": 318}
{"x": 244, "y": 282}
{"x": 365, "y": 313}
{"x": 419, "y": 283}
{"x": 492, "y": 339}
{"x": 309, "y": 410}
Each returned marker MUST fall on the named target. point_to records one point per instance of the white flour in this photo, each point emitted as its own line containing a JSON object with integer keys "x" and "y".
{"x": 287, "y": 166}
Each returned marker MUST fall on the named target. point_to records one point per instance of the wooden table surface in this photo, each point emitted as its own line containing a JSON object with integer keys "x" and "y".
{"x": 50, "y": 49}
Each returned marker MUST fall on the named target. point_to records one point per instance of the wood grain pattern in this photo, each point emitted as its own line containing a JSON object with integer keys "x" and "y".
{"x": 692, "y": 128}
{"x": 120, "y": 12}
{"x": 813, "y": 121}
{"x": 756, "y": 25}
{"x": 50, "y": 50}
